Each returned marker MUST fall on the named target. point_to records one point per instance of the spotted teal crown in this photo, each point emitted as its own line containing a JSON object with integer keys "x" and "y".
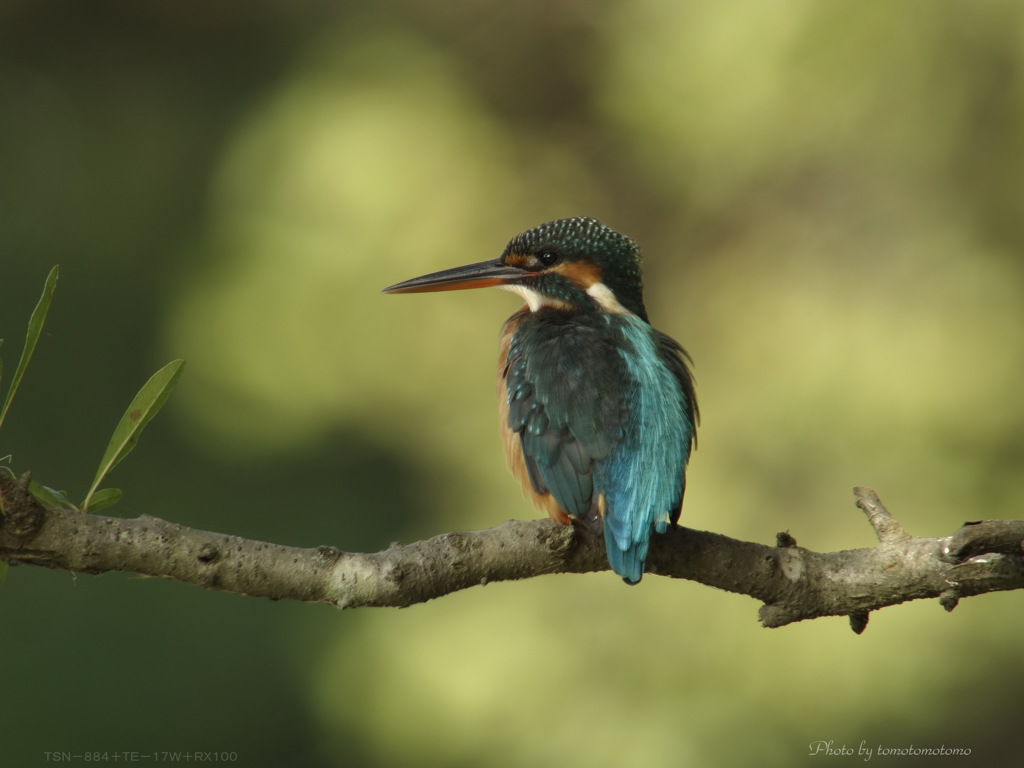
{"x": 582, "y": 239}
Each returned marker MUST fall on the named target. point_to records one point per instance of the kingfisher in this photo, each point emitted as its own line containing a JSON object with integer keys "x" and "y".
{"x": 597, "y": 408}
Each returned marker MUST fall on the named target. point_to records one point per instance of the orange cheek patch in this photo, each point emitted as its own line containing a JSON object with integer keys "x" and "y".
{"x": 581, "y": 273}
{"x": 518, "y": 260}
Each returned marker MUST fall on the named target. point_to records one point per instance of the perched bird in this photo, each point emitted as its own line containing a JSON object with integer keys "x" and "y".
{"x": 597, "y": 408}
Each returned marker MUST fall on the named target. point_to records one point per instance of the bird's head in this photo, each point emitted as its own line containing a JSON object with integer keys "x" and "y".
{"x": 576, "y": 263}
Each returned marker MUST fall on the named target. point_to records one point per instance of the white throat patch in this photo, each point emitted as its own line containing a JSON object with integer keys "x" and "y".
{"x": 603, "y": 295}
{"x": 533, "y": 299}
{"x": 599, "y": 292}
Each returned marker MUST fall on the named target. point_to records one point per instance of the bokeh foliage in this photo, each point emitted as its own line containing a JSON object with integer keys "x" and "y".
{"x": 829, "y": 198}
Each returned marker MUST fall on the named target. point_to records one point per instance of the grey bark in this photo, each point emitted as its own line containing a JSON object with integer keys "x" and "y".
{"x": 793, "y": 583}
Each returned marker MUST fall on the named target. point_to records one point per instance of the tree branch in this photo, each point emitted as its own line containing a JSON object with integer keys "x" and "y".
{"x": 793, "y": 583}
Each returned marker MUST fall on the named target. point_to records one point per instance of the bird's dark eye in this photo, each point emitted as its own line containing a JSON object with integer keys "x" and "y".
{"x": 548, "y": 258}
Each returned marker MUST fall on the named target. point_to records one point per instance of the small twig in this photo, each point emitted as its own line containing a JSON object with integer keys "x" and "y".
{"x": 783, "y": 539}
{"x": 950, "y": 599}
{"x": 985, "y": 537}
{"x": 859, "y": 622}
{"x": 887, "y": 528}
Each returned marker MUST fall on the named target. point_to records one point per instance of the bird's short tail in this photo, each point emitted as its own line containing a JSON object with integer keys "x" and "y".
{"x": 625, "y": 556}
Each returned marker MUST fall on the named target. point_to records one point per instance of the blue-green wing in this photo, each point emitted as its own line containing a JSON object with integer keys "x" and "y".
{"x": 563, "y": 402}
{"x": 678, "y": 362}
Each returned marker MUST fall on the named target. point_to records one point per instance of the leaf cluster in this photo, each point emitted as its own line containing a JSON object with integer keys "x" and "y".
{"x": 143, "y": 407}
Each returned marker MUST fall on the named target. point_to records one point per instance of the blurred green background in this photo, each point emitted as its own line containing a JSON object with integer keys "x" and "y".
{"x": 829, "y": 197}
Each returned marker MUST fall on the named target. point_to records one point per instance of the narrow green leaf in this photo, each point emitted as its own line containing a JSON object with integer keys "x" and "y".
{"x": 108, "y": 497}
{"x": 143, "y": 408}
{"x": 3, "y": 513}
{"x": 50, "y": 497}
{"x": 35, "y": 327}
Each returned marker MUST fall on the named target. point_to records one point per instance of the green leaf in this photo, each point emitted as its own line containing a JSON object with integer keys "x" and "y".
{"x": 143, "y": 408}
{"x": 35, "y": 327}
{"x": 50, "y": 497}
{"x": 108, "y": 497}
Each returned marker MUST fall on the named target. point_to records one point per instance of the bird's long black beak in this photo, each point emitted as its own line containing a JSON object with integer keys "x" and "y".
{"x": 483, "y": 274}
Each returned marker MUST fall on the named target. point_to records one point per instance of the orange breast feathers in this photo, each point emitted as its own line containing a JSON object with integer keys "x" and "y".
{"x": 513, "y": 447}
